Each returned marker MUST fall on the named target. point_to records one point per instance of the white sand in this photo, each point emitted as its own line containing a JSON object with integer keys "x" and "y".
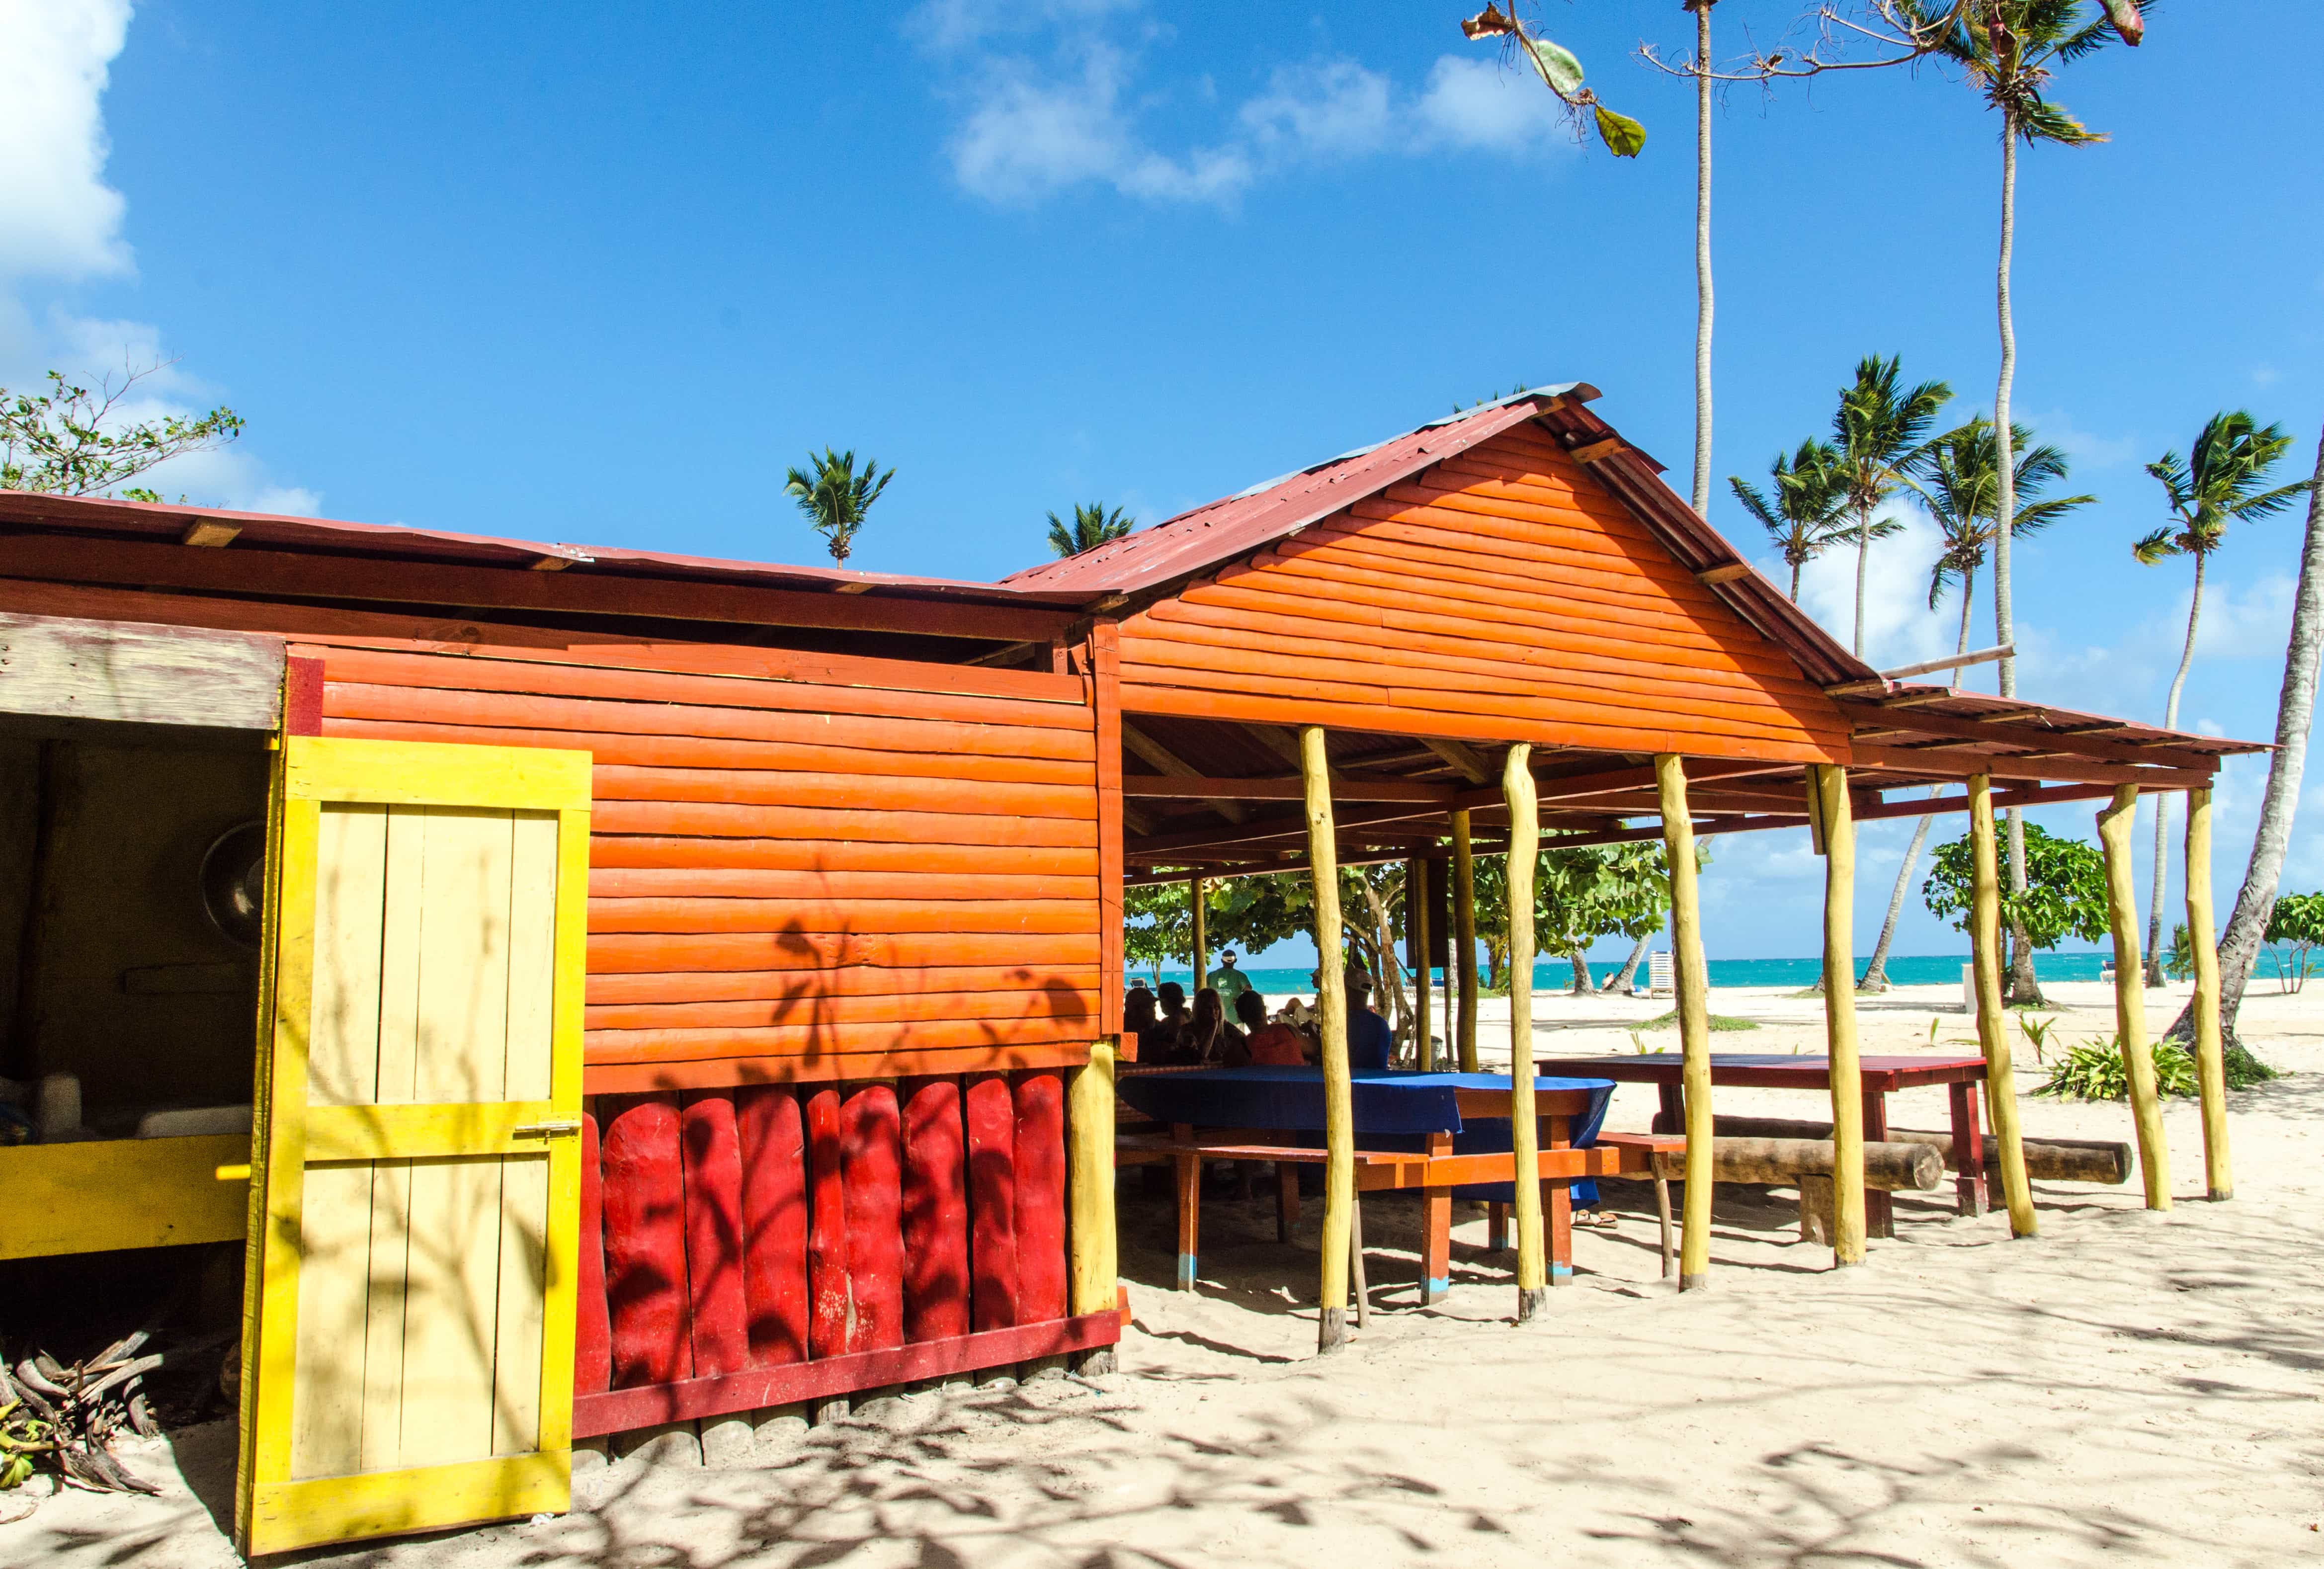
{"x": 2123, "y": 1388}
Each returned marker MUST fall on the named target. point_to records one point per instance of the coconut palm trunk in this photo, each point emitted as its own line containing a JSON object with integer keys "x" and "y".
{"x": 2024, "y": 989}
{"x": 1582, "y": 984}
{"x": 1876, "y": 973}
{"x": 2295, "y": 709}
{"x": 1703, "y": 295}
{"x": 2162, "y": 802}
{"x": 1863, "y": 565}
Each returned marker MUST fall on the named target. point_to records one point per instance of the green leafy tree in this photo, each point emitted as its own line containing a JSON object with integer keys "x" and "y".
{"x": 2294, "y": 931}
{"x": 2065, "y": 894}
{"x": 70, "y": 441}
{"x": 1092, "y": 526}
{"x": 1808, "y": 511}
{"x": 1580, "y": 894}
{"x": 836, "y": 498}
{"x": 1878, "y": 432}
{"x": 2223, "y": 480}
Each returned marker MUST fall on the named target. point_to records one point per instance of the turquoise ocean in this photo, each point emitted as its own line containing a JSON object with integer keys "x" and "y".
{"x": 1903, "y": 970}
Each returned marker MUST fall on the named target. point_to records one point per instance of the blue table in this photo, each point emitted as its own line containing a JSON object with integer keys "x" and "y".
{"x": 1453, "y": 1127}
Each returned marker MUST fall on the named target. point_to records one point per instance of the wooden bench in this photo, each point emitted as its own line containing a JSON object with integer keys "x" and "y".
{"x": 1434, "y": 1170}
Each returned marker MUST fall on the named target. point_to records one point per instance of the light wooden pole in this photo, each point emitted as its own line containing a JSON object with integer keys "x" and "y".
{"x": 1464, "y": 938}
{"x": 1992, "y": 1025}
{"x": 1416, "y": 922}
{"x": 1089, "y": 1175}
{"x": 2210, "y": 1068}
{"x": 2130, "y": 997}
{"x": 1195, "y": 887}
{"x": 1332, "y": 1019}
{"x": 1524, "y": 1128}
{"x": 1692, "y": 985}
{"x": 1835, "y": 828}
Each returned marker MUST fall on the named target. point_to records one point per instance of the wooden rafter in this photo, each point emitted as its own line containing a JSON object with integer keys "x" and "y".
{"x": 1159, "y": 756}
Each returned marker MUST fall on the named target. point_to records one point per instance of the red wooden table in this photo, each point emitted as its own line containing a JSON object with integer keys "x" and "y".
{"x": 1881, "y": 1076}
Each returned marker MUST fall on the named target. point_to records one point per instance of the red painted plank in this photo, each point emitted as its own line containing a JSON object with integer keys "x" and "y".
{"x": 936, "y": 1213}
{"x": 645, "y": 1244}
{"x": 1040, "y": 1197}
{"x": 774, "y": 1224}
{"x": 992, "y": 1201}
{"x": 831, "y": 1308}
{"x": 593, "y": 1332}
{"x": 621, "y": 1410}
{"x": 871, "y": 1138}
{"x": 713, "y": 1164}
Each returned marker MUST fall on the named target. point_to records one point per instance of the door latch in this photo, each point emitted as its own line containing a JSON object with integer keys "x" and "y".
{"x": 559, "y": 1129}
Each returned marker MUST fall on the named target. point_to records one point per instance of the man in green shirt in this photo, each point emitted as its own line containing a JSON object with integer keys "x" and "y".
{"x": 1227, "y": 981}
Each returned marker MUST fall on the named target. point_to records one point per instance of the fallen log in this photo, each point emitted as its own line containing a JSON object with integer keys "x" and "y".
{"x": 1784, "y": 1162}
{"x": 2098, "y": 1160}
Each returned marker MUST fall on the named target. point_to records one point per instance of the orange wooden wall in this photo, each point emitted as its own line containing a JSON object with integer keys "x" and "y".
{"x": 1498, "y": 595}
{"x": 801, "y": 867}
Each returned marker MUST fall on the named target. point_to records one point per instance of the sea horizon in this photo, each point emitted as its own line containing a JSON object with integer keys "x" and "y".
{"x": 1903, "y": 970}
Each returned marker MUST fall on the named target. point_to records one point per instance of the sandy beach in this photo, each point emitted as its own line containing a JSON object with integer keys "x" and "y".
{"x": 2125, "y": 1388}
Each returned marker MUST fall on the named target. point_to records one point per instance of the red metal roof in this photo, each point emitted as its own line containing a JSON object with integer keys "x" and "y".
{"x": 1188, "y": 543}
{"x": 148, "y": 519}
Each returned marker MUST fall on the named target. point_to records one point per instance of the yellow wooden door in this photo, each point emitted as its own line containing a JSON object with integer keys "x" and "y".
{"x": 408, "y": 1333}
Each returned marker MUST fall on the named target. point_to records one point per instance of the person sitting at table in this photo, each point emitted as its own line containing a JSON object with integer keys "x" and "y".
{"x": 1137, "y": 1009}
{"x": 1370, "y": 1040}
{"x": 1203, "y": 1040}
{"x": 1269, "y": 1044}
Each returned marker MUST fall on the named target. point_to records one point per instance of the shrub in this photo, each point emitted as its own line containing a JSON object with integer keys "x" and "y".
{"x": 2094, "y": 1071}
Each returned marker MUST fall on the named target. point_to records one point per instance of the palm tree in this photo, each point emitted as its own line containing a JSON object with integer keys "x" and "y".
{"x": 1092, "y": 526}
{"x": 1805, "y": 518}
{"x": 2295, "y": 710}
{"x": 1880, "y": 430}
{"x": 2217, "y": 484}
{"x": 1959, "y": 474}
{"x": 2008, "y": 50}
{"x": 835, "y": 497}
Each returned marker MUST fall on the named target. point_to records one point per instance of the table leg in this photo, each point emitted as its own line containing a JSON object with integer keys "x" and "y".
{"x": 1879, "y": 1211}
{"x": 1497, "y": 1228}
{"x": 1557, "y": 1207}
{"x": 1672, "y": 1116}
{"x": 1190, "y": 1205}
{"x": 1968, "y": 1151}
{"x": 1436, "y": 1232}
{"x": 1663, "y": 1214}
{"x": 1286, "y": 1199}
{"x": 1356, "y": 1262}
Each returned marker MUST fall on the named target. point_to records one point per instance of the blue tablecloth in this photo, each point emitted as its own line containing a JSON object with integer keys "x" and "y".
{"x": 1393, "y": 1110}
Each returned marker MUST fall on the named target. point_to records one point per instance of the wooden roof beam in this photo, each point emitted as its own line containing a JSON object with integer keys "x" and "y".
{"x": 2004, "y": 732}
{"x": 1158, "y": 755}
{"x": 1954, "y": 761}
{"x": 1461, "y": 756}
{"x": 1344, "y": 789}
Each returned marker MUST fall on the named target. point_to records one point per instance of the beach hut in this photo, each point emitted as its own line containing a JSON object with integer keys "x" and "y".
{"x": 688, "y": 989}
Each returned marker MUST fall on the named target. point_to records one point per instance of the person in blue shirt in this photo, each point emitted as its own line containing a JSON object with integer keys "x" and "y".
{"x": 1370, "y": 1040}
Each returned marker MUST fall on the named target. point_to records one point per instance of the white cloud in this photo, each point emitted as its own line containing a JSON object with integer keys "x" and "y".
{"x": 2084, "y": 448}
{"x": 62, "y": 220}
{"x": 1054, "y": 98}
{"x": 1325, "y": 107}
{"x": 60, "y": 224}
{"x": 1899, "y": 627}
{"x": 1471, "y": 102}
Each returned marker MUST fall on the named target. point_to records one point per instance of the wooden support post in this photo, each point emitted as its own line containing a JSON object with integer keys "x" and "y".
{"x": 1524, "y": 1130}
{"x": 1088, "y": 1172}
{"x": 1829, "y": 811}
{"x": 1416, "y": 922}
{"x": 1992, "y": 1025}
{"x": 2210, "y": 1066}
{"x": 1464, "y": 938}
{"x": 1332, "y": 1019}
{"x": 2130, "y": 997}
{"x": 1693, "y": 986}
{"x": 1201, "y": 938}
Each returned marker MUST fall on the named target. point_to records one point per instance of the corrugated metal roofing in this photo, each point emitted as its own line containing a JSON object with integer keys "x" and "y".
{"x": 162, "y": 520}
{"x": 1186, "y": 544}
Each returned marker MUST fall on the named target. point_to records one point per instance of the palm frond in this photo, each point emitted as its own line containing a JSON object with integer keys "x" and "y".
{"x": 2157, "y": 546}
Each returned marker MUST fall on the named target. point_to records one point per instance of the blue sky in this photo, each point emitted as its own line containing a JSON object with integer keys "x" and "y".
{"x": 600, "y": 274}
